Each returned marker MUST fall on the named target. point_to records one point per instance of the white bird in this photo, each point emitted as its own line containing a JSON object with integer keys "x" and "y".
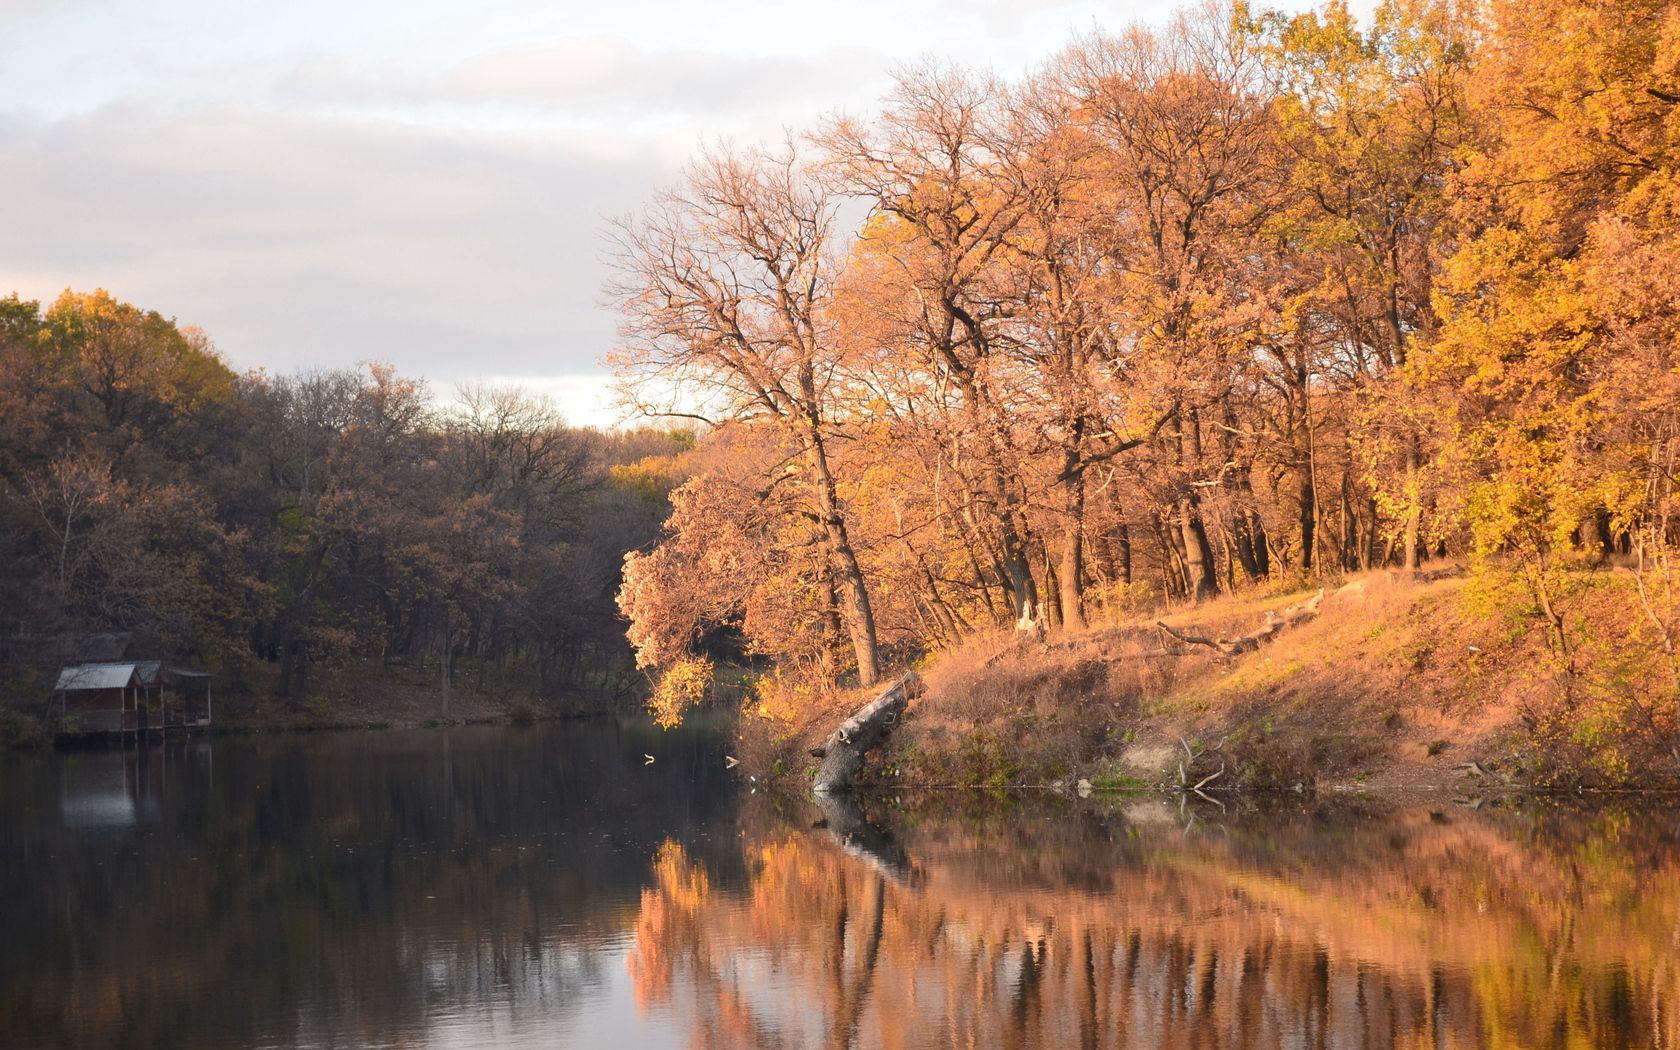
{"x": 649, "y": 758}
{"x": 730, "y": 761}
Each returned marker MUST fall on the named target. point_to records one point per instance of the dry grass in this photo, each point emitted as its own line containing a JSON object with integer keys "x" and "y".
{"x": 1390, "y": 690}
{"x": 999, "y": 710}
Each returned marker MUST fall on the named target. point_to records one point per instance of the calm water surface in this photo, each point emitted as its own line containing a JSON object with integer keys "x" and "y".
{"x": 547, "y": 887}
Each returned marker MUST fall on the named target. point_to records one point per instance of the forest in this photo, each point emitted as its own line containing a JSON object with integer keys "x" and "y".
{"x": 282, "y": 531}
{"x": 1244, "y": 301}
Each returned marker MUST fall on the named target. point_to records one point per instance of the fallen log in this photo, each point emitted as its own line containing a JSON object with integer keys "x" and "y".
{"x": 1275, "y": 622}
{"x": 845, "y": 748}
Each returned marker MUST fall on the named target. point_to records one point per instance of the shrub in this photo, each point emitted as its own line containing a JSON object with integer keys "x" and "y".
{"x": 20, "y": 730}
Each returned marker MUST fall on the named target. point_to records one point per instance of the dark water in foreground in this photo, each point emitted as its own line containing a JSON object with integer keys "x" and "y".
{"x": 545, "y": 887}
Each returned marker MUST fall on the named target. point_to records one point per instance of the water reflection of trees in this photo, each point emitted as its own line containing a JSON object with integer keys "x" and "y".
{"x": 370, "y": 889}
{"x": 1512, "y": 929}
{"x": 343, "y": 890}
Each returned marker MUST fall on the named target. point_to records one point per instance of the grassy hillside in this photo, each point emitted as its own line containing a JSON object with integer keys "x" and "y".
{"x": 1431, "y": 686}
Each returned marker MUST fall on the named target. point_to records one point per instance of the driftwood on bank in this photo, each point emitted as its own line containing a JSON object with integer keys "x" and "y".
{"x": 844, "y": 751}
{"x": 1275, "y": 622}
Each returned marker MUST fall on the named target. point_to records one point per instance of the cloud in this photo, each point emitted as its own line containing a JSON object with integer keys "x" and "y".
{"x": 612, "y": 73}
{"x": 594, "y": 81}
{"x": 448, "y": 220}
{"x": 13, "y": 11}
{"x": 320, "y": 242}
{"x": 315, "y": 183}
{"x": 586, "y": 400}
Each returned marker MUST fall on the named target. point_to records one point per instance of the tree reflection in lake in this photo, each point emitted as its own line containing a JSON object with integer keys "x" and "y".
{"x": 495, "y": 887}
{"x": 342, "y": 889}
{"x": 1301, "y": 928}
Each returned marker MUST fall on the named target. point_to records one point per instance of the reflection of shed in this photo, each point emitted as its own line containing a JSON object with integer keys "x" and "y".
{"x": 99, "y": 792}
{"x": 131, "y": 696}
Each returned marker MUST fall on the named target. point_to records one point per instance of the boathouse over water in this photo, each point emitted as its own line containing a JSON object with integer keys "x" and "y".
{"x": 129, "y": 697}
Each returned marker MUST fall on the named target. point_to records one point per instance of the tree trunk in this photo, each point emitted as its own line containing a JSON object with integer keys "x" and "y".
{"x": 1050, "y": 613}
{"x": 982, "y": 581}
{"x": 1370, "y": 544}
{"x": 1298, "y": 613}
{"x": 1308, "y": 516}
{"x": 1018, "y": 577}
{"x": 1262, "y": 546}
{"x": 1120, "y": 539}
{"x": 443, "y": 664}
{"x": 1199, "y": 568}
{"x": 1250, "y": 538}
{"x": 1013, "y": 562}
{"x": 1413, "y": 510}
{"x": 854, "y": 594}
{"x": 833, "y": 623}
{"x": 1173, "y": 573}
{"x": 1071, "y": 574}
{"x": 294, "y": 672}
{"x": 1413, "y": 455}
{"x": 846, "y": 747}
{"x": 953, "y": 623}
{"x": 1350, "y": 529}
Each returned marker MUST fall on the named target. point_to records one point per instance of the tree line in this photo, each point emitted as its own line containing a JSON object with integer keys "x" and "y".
{"x": 1248, "y": 297}
{"x": 325, "y": 520}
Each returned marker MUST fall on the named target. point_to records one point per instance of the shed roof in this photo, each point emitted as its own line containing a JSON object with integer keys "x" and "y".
{"x": 78, "y": 677}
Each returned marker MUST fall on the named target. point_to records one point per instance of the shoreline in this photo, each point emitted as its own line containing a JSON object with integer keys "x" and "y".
{"x": 1449, "y": 788}
{"x": 1397, "y": 688}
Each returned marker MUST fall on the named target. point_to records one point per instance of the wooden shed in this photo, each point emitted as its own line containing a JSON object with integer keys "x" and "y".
{"x": 130, "y": 697}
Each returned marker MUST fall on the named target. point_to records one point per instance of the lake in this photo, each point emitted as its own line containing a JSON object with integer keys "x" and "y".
{"x": 547, "y": 886}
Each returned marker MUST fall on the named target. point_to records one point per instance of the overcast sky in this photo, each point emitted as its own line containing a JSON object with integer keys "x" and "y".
{"x": 316, "y": 183}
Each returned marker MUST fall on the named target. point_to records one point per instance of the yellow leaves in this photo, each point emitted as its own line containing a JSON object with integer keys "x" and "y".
{"x": 784, "y": 697}
{"x": 652, "y": 477}
{"x": 1559, "y": 327}
{"x": 1578, "y": 89}
{"x": 127, "y": 359}
{"x": 682, "y": 685}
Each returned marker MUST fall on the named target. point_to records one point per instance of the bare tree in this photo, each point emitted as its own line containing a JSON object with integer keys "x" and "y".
{"x": 724, "y": 283}
{"x": 930, "y": 170}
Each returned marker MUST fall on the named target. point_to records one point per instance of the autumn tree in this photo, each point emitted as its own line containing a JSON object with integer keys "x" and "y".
{"x": 724, "y": 284}
{"x": 1374, "y": 120}
{"x": 1184, "y": 134}
{"x": 110, "y": 528}
{"x": 1552, "y": 379}
{"x": 941, "y": 214}
{"x": 1074, "y": 366}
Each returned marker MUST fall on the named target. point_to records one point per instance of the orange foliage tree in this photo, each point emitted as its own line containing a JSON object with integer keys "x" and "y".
{"x": 1249, "y": 295}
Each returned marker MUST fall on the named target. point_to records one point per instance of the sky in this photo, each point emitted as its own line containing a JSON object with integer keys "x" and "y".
{"x": 318, "y": 183}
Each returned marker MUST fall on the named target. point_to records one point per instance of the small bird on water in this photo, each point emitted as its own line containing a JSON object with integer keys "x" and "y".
{"x": 649, "y": 758}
